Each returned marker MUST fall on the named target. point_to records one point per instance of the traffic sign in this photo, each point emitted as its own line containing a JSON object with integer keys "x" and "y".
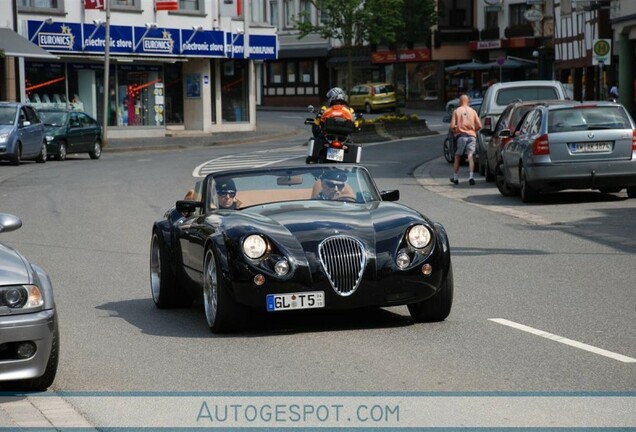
{"x": 602, "y": 52}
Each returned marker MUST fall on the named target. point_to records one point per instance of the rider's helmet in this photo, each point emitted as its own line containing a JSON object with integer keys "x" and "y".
{"x": 336, "y": 96}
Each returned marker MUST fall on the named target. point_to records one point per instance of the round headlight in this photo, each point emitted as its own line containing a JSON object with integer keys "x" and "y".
{"x": 281, "y": 267}
{"x": 402, "y": 260}
{"x": 15, "y": 297}
{"x": 254, "y": 246}
{"x": 419, "y": 236}
{"x": 49, "y": 138}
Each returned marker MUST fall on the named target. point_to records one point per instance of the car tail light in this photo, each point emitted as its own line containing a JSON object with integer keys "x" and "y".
{"x": 634, "y": 140}
{"x": 372, "y": 91}
{"x": 488, "y": 123}
{"x": 336, "y": 144}
{"x": 541, "y": 146}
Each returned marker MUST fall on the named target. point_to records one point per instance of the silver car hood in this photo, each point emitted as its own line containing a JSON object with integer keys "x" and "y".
{"x": 6, "y": 128}
{"x": 13, "y": 268}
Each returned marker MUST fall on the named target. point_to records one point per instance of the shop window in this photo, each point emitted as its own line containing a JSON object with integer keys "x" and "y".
{"x": 45, "y": 84}
{"x": 291, "y": 73}
{"x": 50, "y": 6}
{"x": 306, "y": 72}
{"x": 423, "y": 81}
{"x": 234, "y": 91}
{"x": 275, "y": 73}
{"x": 173, "y": 79}
{"x": 136, "y": 96}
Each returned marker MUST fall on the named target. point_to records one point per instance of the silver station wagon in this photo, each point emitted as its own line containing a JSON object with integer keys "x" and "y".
{"x": 577, "y": 145}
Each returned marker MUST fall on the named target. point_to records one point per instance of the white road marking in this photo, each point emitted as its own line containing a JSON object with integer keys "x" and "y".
{"x": 563, "y": 340}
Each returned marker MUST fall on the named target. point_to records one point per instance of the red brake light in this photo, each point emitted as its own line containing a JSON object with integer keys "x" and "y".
{"x": 634, "y": 140}
{"x": 336, "y": 144}
{"x": 488, "y": 123}
{"x": 541, "y": 146}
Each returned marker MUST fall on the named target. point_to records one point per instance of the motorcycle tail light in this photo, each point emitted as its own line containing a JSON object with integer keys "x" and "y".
{"x": 336, "y": 144}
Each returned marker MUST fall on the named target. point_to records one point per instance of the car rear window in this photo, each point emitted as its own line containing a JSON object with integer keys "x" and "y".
{"x": 588, "y": 118}
{"x": 384, "y": 88}
{"x": 506, "y": 96}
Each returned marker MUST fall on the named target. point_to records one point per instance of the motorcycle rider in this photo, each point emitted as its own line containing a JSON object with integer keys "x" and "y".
{"x": 338, "y": 107}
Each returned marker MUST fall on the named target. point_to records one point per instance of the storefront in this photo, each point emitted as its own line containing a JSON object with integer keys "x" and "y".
{"x": 417, "y": 77}
{"x": 158, "y": 77}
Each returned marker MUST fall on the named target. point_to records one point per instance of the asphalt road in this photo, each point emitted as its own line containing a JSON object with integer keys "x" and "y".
{"x": 544, "y": 299}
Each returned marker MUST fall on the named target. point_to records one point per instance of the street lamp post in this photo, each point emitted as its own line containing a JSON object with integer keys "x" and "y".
{"x": 106, "y": 77}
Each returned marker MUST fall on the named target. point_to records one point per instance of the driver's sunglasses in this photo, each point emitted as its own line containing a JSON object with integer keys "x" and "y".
{"x": 332, "y": 185}
{"x": 229, "y": 193}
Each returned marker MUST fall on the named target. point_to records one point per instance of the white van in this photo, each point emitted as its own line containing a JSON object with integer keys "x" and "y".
{"x": 497, "y": 98}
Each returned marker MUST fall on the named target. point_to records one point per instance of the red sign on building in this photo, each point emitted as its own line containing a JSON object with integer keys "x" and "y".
{"x": 94, "y": 4}
{"x": 403, "y": 56}
{"x": 166, "y": 5}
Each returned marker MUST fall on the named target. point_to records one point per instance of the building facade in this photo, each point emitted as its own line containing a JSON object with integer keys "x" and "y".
{"x": 184, "y": 69}
{"x": 623, "y": 21}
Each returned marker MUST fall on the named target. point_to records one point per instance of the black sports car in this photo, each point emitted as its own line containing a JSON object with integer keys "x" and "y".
{"x": 298, "y": 237}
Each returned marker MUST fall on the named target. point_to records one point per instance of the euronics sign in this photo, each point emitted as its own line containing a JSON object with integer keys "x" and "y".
{"x": 89, "y": 38}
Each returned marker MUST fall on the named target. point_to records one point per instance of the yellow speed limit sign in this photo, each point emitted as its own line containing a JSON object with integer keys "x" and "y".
{"x": 602, "y": 52}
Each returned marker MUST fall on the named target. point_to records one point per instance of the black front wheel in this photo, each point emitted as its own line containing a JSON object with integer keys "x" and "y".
{"x": 438, "y": 307}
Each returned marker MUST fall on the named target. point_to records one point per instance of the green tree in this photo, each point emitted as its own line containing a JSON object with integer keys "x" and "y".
{"x": 346, "y": 21}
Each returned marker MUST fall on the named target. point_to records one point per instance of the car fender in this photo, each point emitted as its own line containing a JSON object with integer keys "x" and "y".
{"x": 444, "y": 242}
{"x": 44, "y": 282}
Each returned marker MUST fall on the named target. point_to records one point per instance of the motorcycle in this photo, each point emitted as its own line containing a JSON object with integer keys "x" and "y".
{"x": 331, "y": 141}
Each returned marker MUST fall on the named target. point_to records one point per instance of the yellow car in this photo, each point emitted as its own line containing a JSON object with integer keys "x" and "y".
{"x": 372, "y": 97}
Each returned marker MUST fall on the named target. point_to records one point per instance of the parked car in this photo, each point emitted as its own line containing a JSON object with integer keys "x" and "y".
{"x": 287, "y": 248}
{"x": 448, "y": 147}
{"x": 69, "y": 131}
{"x": 499, "y": 95}
{"x": 21, "y": 133}
{"x": 454, "y": 103}
{"x": 29, "y": 335}
{"x": 573, "y": 145}
{"x": 506, "y": 127}
{"x": 372, "y": 97}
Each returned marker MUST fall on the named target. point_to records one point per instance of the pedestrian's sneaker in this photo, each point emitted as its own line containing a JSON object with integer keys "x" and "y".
{"x": 454, "y": 180}
{"x": 471, "y": 182}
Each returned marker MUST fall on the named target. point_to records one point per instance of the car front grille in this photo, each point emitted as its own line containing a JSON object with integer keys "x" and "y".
{"x": 343, "y": 258}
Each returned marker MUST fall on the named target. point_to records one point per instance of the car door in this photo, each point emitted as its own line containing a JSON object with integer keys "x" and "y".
{"x": 75, "y": 135}
{"x": 29, "y": 132}
{"x": 511, "y": 152}
{"x": 89, "y": 131}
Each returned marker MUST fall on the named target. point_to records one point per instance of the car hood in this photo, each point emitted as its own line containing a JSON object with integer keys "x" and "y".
{"x": 6, "y": 128}
{"x": 13, "y": 267}
{"x": 54, "y": 130}
{"x": 305, "y": 224}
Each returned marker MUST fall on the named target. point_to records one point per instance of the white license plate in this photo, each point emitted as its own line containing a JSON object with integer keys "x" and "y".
{"x": 335, "y": 154}
{"x": 591, "y": 147}
{"x": 306, "y": 300}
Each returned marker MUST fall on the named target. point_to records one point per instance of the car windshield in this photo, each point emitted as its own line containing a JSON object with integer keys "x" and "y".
{"x": 295, "y": 184}
{"x": 53, "y": 118}
{"x": 7, "y": 115}
{"x": 506, "y": 96}
{"x": 588, "y": 118}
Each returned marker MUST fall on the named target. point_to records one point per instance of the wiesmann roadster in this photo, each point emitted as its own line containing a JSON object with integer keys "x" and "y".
{"x": 298, "y": 237}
